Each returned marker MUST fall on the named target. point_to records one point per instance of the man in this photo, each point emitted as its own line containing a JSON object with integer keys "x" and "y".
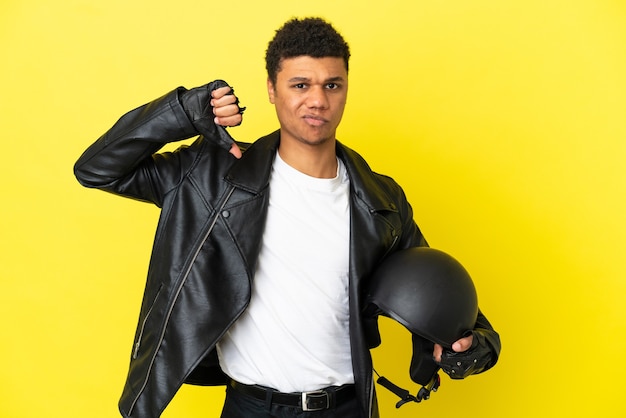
{"x": 257, "y": 274}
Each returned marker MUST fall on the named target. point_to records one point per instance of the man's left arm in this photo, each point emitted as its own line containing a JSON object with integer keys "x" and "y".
{"x": 472, "y": 354}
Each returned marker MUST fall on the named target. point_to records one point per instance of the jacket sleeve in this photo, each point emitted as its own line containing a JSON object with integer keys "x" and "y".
{"x": 124, "y": 160}
{"x": 411, "y": 234}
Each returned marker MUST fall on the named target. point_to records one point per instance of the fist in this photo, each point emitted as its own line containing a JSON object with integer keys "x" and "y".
{"x": 226, "y": 107}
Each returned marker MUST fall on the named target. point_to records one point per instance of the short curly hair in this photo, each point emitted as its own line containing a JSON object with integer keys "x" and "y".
{"x": 312, "y": 36}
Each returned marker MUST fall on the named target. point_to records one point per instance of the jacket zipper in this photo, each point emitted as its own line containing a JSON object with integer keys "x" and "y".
{"x": 178, "y": 290}
{"x": 143, "y": 324}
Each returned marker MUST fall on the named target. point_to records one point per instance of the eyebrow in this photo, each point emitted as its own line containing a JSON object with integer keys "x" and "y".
{"x": 329, "y": 80}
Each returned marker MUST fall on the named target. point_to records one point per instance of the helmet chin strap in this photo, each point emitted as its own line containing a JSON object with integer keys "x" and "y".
{"x": 423, "y": 370}
{"x": 404, "y": 395}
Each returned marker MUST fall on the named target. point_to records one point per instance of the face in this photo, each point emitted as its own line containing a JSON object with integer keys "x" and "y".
{"x": 309, "y": 96}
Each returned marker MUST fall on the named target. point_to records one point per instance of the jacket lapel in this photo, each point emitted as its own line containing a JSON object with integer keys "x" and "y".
{"x": 252, "y": 171}
{"x": 372, "y": 233}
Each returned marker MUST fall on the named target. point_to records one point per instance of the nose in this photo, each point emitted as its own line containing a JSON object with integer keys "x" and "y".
{"x": 317, "y": 98}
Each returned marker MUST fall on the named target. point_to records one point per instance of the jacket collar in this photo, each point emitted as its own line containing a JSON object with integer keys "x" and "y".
{"x": 252, "y": 171}
{"x": 364, "y": 182}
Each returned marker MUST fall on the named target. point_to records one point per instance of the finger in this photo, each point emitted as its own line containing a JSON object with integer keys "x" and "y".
{"x": 221, "y": 92}
{"x": 234, "y": 120}
{"x": 224, "y": 101}
{"x": 463, "y": 344}
{"x": 226, "y": 111}
{"x": 437, "y": 351}
{"x": 236, "y": 151}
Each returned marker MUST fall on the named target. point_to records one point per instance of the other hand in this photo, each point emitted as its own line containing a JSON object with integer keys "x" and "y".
{"x": 459, "y": 346}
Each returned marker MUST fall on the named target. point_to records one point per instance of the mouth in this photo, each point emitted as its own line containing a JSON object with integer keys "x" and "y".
{"x": 314, "y": 120}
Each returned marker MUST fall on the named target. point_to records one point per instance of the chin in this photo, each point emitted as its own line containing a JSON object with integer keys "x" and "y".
{"x": 318, "y": 138}
{"x": 316, "y": 141}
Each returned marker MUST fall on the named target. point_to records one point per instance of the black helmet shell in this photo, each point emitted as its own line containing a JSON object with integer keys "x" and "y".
{"x": 427, "y": 291}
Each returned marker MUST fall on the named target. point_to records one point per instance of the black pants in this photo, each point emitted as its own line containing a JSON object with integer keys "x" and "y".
{"x": 238, "y": 405}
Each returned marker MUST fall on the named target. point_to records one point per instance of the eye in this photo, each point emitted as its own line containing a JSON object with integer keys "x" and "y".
{"x": 332, "y": 86}
{"x": 299, "y": 86}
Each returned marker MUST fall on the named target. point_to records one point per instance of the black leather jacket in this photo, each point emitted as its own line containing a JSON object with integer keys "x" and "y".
{"x": 208, "y": 239}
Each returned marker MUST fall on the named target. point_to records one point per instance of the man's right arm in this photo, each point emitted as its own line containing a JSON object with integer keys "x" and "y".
{"x": 124, "y": 159}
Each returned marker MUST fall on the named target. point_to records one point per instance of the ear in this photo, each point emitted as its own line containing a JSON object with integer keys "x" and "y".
{"x": 270, "y": 90}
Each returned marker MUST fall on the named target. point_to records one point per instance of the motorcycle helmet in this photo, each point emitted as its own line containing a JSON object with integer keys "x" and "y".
{"x": 427, "y": 291}
{"x": 431, "y": 294}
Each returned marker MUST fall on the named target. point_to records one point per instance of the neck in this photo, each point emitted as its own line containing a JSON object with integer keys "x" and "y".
{"x": 319, "y": 161}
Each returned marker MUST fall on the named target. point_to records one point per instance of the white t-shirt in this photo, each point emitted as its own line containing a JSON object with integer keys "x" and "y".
{"x": 294, "y": 335}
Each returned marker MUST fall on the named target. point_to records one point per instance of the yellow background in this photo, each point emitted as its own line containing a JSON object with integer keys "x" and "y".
{"x": 503, "y": 120}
